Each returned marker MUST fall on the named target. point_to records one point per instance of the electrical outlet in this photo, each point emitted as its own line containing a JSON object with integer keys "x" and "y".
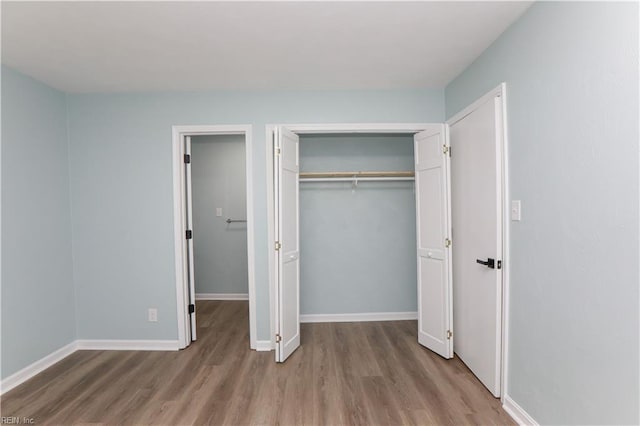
{"x": 219, "y": 211}
{"x": 153, "y": 315}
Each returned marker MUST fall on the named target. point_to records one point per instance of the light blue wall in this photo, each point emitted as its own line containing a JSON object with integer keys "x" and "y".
{"x": 37, "y": 275}
{"x": 121, "y": 185}
{"x": 357, "y": 246}
{"x": 572, "y": 76}
{"x": 218, "y": 176}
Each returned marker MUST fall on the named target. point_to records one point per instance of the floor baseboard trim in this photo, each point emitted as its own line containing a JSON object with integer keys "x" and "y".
{"x": 375, "y": 316}
{"x": 264, "y": 345}
{"x": 42, "y": 364}
{"x": 222, "y": 296}
{"x": 517, "y": 412}
{"x": 31, "y": 370}
{"x": 127, "y": 345}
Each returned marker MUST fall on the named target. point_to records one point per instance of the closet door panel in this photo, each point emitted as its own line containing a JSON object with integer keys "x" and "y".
{"x": 432, "y": 318}
{"x": 288, "y": 252}
{"x": 431, "y": 233}
{"x": 433, "y": 241}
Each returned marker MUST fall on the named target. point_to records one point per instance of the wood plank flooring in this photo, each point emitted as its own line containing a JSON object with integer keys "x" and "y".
{"x": 343, "y": 374}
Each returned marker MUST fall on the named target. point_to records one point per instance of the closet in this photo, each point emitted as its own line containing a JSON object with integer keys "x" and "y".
{"x": 357, "y": 227}
{"x": 354, "y": 236}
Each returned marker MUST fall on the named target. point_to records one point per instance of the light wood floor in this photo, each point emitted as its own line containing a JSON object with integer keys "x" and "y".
{"x": 344, "y": 373}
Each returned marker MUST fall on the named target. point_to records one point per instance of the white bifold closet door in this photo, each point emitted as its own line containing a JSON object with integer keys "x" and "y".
{"x": 433, "y": 227}
{"x": 288, "y": 243}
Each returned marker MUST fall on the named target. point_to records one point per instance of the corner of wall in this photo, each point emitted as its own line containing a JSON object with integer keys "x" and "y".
{"x": 73, "y": 262}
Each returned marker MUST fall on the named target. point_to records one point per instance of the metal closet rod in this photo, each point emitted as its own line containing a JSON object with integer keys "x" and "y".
{"x": 390, "y": 174}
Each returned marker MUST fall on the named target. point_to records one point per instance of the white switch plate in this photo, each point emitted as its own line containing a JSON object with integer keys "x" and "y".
{"x": 219, "y": 211}
{"x": 153, "y": 315}
{"x": 516, "y": 213}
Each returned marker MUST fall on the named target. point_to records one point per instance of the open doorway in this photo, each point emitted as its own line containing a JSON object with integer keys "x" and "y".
{"x": 218, "y": 187}
{"x": 213, "y": 226}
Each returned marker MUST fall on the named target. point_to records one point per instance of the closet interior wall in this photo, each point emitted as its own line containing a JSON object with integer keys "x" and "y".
{"x": 357, "y": 241}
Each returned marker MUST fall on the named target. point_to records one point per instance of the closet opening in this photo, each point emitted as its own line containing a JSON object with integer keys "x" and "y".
{"x": 357, "y": 227}
{"x": 429, "y": 259}
{"x": 214, "y": 232}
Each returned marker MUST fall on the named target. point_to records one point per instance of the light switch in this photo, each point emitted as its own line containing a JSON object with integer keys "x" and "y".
{"x": 516, "y": 214}
{"x": 219, "y": 211}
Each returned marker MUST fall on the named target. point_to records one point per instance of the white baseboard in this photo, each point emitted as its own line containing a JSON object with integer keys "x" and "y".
{"x": 42, "y": 364}
{"x": 375, "y": 316}
{"x": 127, "y": 345}
{"x": 222, "y": 296}
{"x": 103, "y": 345}
{"x": 517, "y": 412}
{"x": 264, "y": 345}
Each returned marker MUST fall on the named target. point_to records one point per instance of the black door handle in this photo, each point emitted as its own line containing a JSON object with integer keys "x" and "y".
{"x": 490, "y": 263}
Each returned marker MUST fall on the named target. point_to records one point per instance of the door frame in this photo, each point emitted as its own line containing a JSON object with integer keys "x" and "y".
{"x": 179, "y": 132}
{"x": 317, "y": 128}
{"x": 501, "y": 132}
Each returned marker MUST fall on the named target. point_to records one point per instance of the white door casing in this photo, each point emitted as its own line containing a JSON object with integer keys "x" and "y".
{"x": 433, "y": 228}
{"x": 180, "y": 223}
{"x": 189, "y": 217}
{"x": 287, "y": 247}
{"x": 477, "y": 223}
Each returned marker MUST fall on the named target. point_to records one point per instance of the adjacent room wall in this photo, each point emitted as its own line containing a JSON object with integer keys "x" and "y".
{"x": 121, "y": 186}
{"x": 572, "y": 79}
{"x": 218, "y": 180}
{"x": 357, "y": 245}
{"x": 37, "y": 275}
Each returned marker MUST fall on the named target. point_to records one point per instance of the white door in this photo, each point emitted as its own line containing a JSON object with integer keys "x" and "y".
{"x": 191, "y": 307}
{"x": 477, "y": 246}
{"x": 287, "y": 310}
{"x": 433, "y": 226}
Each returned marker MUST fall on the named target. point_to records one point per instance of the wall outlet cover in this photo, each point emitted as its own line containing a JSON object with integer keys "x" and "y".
{"x": 153, "y": 315}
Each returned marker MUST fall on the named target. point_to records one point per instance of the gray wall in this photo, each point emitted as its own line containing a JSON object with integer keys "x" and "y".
{"x": 37, "y": 276}
{"x": 218, "y": 178}
{"x": 122, "y": 199}
{"x": 357, "y": 247}
{"x": 572, "y": 76}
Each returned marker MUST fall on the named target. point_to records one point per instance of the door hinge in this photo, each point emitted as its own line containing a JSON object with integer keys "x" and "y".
{"x": 449, "y": 334}
{"x": 278, "y": 338}
{"x": 187, "y": 158}
{"x": 445, "y": 149}
{"x": 277, "y": 151}
{"x": 192, "y": 308}
{"x": 278, "y": 245}
{"x": 189, "y": 234}
{"x": 447, "y": 242}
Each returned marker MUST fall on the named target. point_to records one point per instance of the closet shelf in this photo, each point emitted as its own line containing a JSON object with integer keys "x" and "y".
{"x": 390, "y": 174}
{"x": 356, "y": 177}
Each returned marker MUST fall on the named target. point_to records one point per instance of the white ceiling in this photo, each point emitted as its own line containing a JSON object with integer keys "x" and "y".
{"x": 168, "y": 46}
